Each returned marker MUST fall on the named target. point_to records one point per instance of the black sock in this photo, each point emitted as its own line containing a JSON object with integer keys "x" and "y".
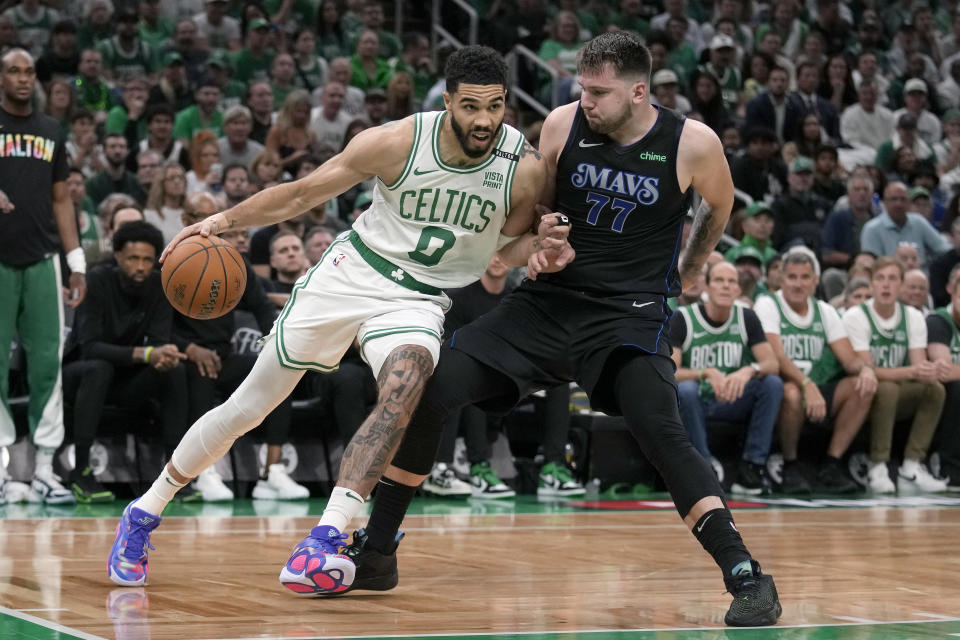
{"x": 390, "y": 505}
{"x": 82, "y": 453}
{"x": 719, "y": 536}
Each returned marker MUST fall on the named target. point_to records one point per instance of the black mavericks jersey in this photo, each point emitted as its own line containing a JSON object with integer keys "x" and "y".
{"x": 625, "y": 207}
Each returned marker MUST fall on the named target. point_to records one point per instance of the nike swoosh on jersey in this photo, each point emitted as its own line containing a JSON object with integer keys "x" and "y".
{"x": 584, "y": 144}
{"x": 640, "y": 306}
{"x": 417, "y": 172}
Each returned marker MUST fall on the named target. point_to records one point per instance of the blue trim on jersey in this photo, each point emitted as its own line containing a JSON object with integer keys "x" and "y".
{"x": 453, "y": 338}
{"x": 636, "y": 346}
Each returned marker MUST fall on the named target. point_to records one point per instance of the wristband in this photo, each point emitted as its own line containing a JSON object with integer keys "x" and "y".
{"x": 699, "y": 375}
{"x": 806, "y": 381}
{"x": 146, "y": 354}
{"x": 76, "y": 261}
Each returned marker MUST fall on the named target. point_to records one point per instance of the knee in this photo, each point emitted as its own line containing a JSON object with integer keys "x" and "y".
{"x": 934, "y": 392}
{"x": 792, "y": 399}
{"x": 888, "y": 391}
{"x": 771, "y": 386}
{"x": 688, "y": 392}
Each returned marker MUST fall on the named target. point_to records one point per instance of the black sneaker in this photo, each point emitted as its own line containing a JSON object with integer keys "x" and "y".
{"x": 794, "y": 481}
{"x": 375, "y": 571}
{"x": 755, "y": 601}
{"x": 751, "y": 479}
{"x": 832, "y": 478}
{"x": 86, "y": 488}
{"x": 188, "y": 493}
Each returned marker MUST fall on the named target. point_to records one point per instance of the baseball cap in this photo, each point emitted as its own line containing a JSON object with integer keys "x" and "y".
{"x": 917, "y": 192}
{"x": 748, "y": 253}
{"x": 756, "y": 209}
{"x": 722, "y": 41}
{"x": 915, "y": 84}
{"x": 218, "y": 59}
{"x": 801, "y": 164}
{"x": 258, "y": 23}
{"x": 951, "y": 114}
{"x": 907, "y": 121}
{"x": 375, "y": 93}
{"x": 172, "y": 57}
{"x": 664, "y": 76}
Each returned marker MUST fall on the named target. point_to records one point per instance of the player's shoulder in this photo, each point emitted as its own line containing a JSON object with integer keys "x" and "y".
{"x": 562, "y": 116}
{"x": 385, "y": 143}
{"x": 697, "y": 137}
{"x": 827, "y": 309}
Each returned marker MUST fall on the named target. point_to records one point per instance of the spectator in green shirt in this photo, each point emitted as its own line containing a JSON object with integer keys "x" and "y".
{"x": 373, "y": 19}
{"x": 559, "y": 51}
{"x": 416, "y": 61}
{"x": 232, "y": 92}
{"x": 281, "y": 77}
{"x": 252, "y": 62}
{"x": 125, "y": 54}
{"x": 369, "y": 71}
{"x": 757, "y": 229}
{"x": 134, "y": 103}
{"x": 96, "y": 25}
{"x": 93, "y": 93}
{"x": 203, "y": 115}
{"x": 155, "y": 29}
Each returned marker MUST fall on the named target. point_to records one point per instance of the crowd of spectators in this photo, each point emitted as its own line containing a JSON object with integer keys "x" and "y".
{"x": 841, "y": 126}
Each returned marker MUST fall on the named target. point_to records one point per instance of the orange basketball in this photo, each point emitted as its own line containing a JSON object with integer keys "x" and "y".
{"x": 204, "y": 278}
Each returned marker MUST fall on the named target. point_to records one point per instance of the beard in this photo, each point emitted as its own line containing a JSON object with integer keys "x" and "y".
{"x": 608, "y": 127}
{"x": 463, "y": 137}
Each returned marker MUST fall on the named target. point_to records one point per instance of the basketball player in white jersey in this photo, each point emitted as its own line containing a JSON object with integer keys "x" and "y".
{"x": 452, "y": 187}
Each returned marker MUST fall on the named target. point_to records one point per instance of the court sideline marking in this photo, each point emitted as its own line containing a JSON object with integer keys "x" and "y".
{"x": 49, "y": 624}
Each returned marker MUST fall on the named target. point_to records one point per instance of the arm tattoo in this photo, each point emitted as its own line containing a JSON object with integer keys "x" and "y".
{"x": 529, "y": 150}
{"x": 401, "y": 382}
{"x": 704, "y": 235}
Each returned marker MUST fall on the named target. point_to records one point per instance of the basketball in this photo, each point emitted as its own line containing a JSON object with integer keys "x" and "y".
{"x": 204, "y": 278}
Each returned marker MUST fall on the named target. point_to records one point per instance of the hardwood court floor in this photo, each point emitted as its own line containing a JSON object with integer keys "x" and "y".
{"x": 598, "y": 571}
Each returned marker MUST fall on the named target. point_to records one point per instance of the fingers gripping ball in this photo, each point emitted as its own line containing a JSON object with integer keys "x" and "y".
{"x": 204, "y": 278}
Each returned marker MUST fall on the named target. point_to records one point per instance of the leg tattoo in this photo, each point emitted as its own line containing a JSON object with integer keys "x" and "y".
{"x": 371, "y": 449}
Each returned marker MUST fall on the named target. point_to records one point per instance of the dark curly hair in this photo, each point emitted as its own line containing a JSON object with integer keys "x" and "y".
{"x": 475, "y": 64}
{"x": 624, "y": 50}
{"x": 137, "y": 231}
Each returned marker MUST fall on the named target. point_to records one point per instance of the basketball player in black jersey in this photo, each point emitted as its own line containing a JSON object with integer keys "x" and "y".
{"x": 623, "y": 171}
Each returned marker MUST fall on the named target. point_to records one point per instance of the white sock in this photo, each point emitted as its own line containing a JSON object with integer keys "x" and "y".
{"x": 159, "y": 495}
{"x": 343, "y": 506}
{"x": 44, "y": 460}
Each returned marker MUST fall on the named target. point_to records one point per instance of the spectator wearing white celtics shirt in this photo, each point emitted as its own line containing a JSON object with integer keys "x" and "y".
{"x": 892, "y": 336}
{"x": 822, "y": 375}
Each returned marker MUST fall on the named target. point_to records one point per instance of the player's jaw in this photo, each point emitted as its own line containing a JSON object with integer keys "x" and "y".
{"x": 475, "y": 139}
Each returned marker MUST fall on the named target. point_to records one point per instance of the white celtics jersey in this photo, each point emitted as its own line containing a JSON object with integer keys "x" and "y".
{"x": 439, "y": 223}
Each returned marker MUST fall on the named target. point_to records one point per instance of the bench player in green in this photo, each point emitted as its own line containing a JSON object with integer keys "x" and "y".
{"x": 822, "y": 376}
{"x": 943, "y": 348}
{"x": 727, "y": 371}
{"x": 452, "y": 187}
{"x": 892, "y": 337}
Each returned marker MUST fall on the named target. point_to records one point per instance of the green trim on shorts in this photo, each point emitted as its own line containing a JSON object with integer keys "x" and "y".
{"x": 382, "y": 333}
{"x": 417, "y": 127}
{"x": 390, "y": 271}
{"x": 281, "y": 348}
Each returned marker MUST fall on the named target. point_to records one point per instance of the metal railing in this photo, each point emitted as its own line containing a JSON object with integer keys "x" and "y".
{"x": 516, "y": 92}
{"x": 438, "y": 32}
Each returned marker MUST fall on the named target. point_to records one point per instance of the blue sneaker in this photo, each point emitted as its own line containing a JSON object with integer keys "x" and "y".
{"x": 316, "y": 566}
{"x": 127, "y": 564}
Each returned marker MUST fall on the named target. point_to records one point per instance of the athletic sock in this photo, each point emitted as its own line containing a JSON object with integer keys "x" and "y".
{"x": 160, "y": 493}
{"x": 719, "y": 537}
{"x": 43, "y": 460}
{"x": 341, "y": 508}
{"x": 393, "y": 500}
